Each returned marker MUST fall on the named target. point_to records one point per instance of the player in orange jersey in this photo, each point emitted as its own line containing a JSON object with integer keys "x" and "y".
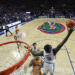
{"x": 16, "y": 28}
{"x": 37, "y": 64}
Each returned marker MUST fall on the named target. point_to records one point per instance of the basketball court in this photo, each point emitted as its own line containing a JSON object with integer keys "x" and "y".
{"x": 65, "y": 59}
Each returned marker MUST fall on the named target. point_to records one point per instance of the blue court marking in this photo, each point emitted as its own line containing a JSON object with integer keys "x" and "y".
{"x": 70, "y": 59}
{"x": 66, "y": 51}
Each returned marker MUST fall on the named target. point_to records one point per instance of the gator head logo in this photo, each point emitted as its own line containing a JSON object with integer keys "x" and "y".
{"x": 51, "y": 28}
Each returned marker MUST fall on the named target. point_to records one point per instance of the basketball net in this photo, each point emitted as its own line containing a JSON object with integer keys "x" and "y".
{"x": 19, "y": 71}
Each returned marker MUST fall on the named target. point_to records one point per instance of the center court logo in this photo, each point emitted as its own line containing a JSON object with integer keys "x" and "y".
{"x": 51, "y": 28}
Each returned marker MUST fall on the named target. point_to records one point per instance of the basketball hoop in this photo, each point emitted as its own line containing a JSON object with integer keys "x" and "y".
{"x": 19, "y": 65}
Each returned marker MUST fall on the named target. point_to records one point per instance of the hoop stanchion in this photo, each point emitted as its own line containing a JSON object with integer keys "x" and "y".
{"x": 18, "y": 64}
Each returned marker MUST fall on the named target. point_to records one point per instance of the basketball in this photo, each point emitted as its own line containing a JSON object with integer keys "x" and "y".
{"x": 70, "y": 23}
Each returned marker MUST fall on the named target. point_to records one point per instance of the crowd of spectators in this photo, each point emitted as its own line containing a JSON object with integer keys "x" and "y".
{"x": 9, "y": 15}
{"x": 12, "y": 14}
{"x": 55, "y": 13}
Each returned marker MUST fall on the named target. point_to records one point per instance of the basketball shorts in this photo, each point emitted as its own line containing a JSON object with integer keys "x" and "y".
{"x": 48, "y": 67}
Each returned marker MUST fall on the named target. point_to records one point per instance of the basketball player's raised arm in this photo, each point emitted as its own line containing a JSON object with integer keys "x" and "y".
{"x": 63, "y": 42}
{"x": 37, "y": 54}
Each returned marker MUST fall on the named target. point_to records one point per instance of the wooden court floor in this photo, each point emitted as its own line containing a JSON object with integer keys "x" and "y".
{"x": 65, "y": 59}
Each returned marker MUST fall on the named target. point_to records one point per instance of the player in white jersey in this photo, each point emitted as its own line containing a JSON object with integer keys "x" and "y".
{"x": 17, "y": 37}
{"x": 49, "y": 54}
{"x": 34, "y": 47}
{"x": 49, "y": 61}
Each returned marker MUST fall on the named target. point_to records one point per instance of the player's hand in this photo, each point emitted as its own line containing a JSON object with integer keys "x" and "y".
{"x": 70, "y": 30}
